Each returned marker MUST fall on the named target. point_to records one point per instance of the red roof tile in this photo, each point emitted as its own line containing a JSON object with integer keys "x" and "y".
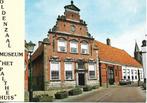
{"x": 115, "y": 55}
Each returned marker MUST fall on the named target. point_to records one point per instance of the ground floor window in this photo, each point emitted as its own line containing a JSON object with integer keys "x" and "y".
{"x": 124, "y": 77}
{"x": 132, "y": 77}
{"x": 92, "y": 70}
{"x": 68, "y": 70}
{"x": 135, "y": 77}
{"x": 128, "y": 77}
{"x": 55, "y": 75}
{"x": 54, "y": 68}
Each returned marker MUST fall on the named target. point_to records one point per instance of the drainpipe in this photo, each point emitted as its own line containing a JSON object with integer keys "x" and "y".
{"x": 100, "y": 79}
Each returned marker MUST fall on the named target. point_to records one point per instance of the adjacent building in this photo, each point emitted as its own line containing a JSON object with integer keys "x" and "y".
{"x": 70, "y": 56}
{"x": 116, "y": 64}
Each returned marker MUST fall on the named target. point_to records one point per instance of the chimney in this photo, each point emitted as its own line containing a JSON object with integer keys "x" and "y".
{"x": 108, "y": 41}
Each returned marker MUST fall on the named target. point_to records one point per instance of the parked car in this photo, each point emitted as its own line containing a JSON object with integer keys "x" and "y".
{"x": 124, "y": 82}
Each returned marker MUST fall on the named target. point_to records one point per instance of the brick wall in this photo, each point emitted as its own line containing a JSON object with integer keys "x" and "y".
{"x": 117, "y": 72}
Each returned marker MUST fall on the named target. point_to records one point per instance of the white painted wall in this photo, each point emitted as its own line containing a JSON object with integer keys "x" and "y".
{"x": 132, "y": 72}
{"x": 144, "y": 55}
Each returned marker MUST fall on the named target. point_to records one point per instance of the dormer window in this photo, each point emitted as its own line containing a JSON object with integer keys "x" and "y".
{"x": 74, "y": 46}
{"x": 84, "y": 48}
{"x": 62, "y": 45}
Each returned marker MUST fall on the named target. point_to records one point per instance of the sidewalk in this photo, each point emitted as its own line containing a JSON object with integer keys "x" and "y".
{"x": 80, "y": 95}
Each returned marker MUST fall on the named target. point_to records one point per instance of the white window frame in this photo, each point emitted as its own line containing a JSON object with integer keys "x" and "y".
{"x": 52, "y": 69}
{"x": 91, "y": 70}
{"x": 61, "y": 40}
{"x": 68, "y": 70}
{"x": 71, "y": 43}
{"x": 84, "y": 44}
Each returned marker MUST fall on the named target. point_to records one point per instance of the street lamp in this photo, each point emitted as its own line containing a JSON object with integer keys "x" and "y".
{"x": 30, "y": 46}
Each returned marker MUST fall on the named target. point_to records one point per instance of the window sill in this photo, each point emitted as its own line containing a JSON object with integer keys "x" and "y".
{"x": 73, "y": 53}
{"x": 92, "y": 79}
{"x": 62, "y": 52}
{"x": 55, "y": 80}
{"x": 69, "y": 80}
{"x": 85, "y": 54}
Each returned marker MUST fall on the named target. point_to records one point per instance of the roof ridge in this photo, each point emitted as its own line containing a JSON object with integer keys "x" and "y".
{"x": 110, "y": 46}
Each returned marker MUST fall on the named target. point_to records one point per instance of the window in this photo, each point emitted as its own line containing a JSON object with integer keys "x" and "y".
{"x": 74, "y": 46}
{"x": 68, "y": 71}
{"x": 62, "y": 45}
{"x": 124, "y": 71}
{"x": 124, "y": 77}
{"x": 128, "y": 77}
{"x": 135, "y": 71}
{"x": 135, "y": 77}
{"x": 128, "y": 71}
{"x": 92, "y": 73}
{"x": 54, "y": 67}
{"x": 132, "y": 71}
{"x": 132, "y": 77}
{"x": 84, "y": 48}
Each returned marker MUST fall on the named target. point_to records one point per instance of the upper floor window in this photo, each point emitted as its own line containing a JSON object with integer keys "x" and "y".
{"x": 74, "y": 46}
{"x": 62, "y": 45}
{"x": 132, "y": 71}
{"x": 128, "y": 71}
{"x": 84, "y": 48}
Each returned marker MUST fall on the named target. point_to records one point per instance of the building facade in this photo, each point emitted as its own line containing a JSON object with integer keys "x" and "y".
{"x": 69, "y": 56}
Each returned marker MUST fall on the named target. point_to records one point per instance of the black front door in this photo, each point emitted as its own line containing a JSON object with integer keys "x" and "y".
{"x": 111, "y": 76}
{"x": 81, "y": 78}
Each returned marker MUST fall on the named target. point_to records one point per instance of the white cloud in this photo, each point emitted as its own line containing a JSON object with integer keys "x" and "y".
{"x": 127, "y": 39}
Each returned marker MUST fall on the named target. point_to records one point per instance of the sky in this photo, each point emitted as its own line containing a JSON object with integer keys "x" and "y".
{"x": 123, "y": 21}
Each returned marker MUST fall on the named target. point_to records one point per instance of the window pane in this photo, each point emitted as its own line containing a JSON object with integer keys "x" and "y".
{"x": 84, "y": 51}
{"x": 92, "y": 74}
{"x": 69, "y": 75}
{"x": 54, "y": 75}
{"x": 74, "y": 50}
{"x": 84, "y": 48}
{"x": 91, "y": 67}
{"x": 54, "y": 66}
{"x": 62, "y": 45}
{"x": 68, "y": 66}
{"x": 61, "y": 48}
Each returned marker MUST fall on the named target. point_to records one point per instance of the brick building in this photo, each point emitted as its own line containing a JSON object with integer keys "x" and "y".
{"x": 70, "y": 56}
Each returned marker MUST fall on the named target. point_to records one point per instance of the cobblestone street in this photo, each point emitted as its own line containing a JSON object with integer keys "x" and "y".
{"x": 111, "y": 94}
